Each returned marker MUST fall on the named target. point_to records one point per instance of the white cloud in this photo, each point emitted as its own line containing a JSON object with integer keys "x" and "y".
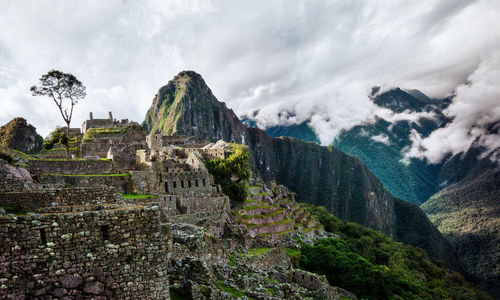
{"x": 309, "y": 58}
{"x": 475, "y": 108}
{"x": 381, "y": 138}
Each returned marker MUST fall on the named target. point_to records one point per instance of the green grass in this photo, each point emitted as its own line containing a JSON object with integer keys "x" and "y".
{"x": 90, "y": 175}
{"x": 282, "y": 222}
{"x": 225, "y": 288}
{"x": 256, "y": 252}
{"x": 252, "y": 207}
{"x": 62, "y": 149}
{"x": 253, "y": 187}
{"x": 271, "y": 214}
{"x": 261, "y": 194}
{"x": 277, "y": 233}
{"x": 14, "y": 210}
{"x": 137, "y": 196}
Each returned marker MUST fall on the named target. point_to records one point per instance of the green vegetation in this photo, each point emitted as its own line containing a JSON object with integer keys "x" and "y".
{"x": 18, "y": 211}
{"x": 373, "y": 266}
{"x": 62, "y": 149}
{"x": 232, "y": 172}
{"x": 89, "y": 175}
{"x": 136, "y": 196}
{"x": 256, "y": 252}
{"x": 225, "y": 288}
{"x": 261, "y": 194}
{"x": 177, "y": 295}
{"x": 91, "y": 133}
{"x": 6, "y": 157}
{"x": 58, "y": 136}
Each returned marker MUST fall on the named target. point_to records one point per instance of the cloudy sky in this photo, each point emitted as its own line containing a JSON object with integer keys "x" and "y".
{"x": 317, "y": 59}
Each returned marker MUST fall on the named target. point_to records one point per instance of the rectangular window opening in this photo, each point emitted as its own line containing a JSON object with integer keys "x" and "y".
{"x": 43, "y": 236}
{"x": 105, "y": 232}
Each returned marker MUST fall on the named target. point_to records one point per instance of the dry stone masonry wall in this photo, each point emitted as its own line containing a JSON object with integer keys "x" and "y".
{"x": 105, "y": 251}
{"x": 32, "y": 200}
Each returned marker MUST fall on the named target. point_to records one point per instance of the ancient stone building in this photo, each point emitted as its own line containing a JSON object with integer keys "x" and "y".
{"x": 105, "y": 123}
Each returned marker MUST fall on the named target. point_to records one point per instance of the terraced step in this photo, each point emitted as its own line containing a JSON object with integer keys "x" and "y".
{"x": 275, "y": 216}
{"x": 283, "y": 225}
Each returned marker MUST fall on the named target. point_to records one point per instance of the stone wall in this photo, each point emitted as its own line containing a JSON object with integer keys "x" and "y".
{"x": 143, "y": 182}
{"x": 58, "y": 153}
{"x": 121, "y": 184}
{"x": 192, "y": 205}
{"x": 99, "y": 149}
{"x": 107, "y": 252}
{"x": 87, "y": 167}
{"x": 10, "y": 183}
{"x": 32, "y": 200}
{"x": 213, "y": 222}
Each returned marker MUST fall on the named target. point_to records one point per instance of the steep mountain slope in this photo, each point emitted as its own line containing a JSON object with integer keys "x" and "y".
{"x": 21, "y": 136}
{"x": 319, "y": 175}
{"x": 468, "y": 214}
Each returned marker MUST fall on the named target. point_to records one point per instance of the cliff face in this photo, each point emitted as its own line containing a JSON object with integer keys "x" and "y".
{"x": 21, "y": 136}
{"x": 319, "y": 175}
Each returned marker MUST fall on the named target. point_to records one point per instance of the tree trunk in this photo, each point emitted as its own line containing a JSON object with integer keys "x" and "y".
{"x": 67, "y": 141}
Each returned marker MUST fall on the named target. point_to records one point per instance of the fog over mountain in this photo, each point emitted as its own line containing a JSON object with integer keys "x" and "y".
{"x": 290, "y": 62}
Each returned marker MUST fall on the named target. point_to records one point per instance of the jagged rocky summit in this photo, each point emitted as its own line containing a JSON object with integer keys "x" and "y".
{"x": 319, "y": 175}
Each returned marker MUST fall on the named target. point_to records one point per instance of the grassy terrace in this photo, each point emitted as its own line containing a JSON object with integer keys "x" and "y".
{"x": 278, "y": 233}
{"x": 136, "y": 196}
{"x": 252, "y": 207}
{"x": 253, "y": 187}
{"x": 89, "y": 175}
{"x": 261, "y": 194}
{"x": 271, "y": 214}
{"x": 14, "y": 210}
{"x": 61, "y": 149}
{"x": 256, "y": 252}
{"x": 282, "y": 222}
{"x": 68, "y": 159}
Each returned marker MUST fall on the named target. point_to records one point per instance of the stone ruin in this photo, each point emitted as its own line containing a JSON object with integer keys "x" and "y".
{"x": 82, "y": 239}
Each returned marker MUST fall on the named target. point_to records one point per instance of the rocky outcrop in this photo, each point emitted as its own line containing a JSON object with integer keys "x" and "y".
{"x": 21, "y": 136}
{"x": 13, "y": 178}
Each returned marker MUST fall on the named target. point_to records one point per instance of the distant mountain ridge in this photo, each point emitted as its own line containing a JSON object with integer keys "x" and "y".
{"x": 469, "y": 222}
{"x": 319, "y": 175}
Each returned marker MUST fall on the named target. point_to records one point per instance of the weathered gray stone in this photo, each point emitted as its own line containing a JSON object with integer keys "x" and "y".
{"x": 94, "y": 287}
{"x": 71, "y": 280}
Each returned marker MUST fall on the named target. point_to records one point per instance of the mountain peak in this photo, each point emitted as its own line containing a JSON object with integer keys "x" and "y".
{"x": 19, "y": 135}
{"x": 187, "y": 106}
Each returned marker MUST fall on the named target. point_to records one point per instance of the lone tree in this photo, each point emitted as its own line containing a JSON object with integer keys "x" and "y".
{"x": 65, "y": 89}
